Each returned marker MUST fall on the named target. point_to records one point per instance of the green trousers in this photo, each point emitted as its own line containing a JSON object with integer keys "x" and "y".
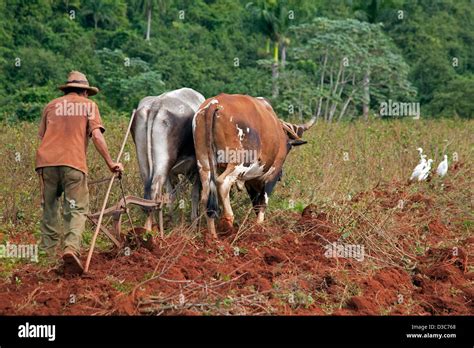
{"x": 55, "y": 182}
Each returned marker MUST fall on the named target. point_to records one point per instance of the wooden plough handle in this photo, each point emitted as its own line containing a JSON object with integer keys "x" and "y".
{"x": 101, "y": 215}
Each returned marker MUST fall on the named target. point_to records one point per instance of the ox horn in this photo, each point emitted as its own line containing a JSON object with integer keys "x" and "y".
{"x": 308, "y": 124}
{"x": 295, "y": 139}
{"x": 288, "y": 127}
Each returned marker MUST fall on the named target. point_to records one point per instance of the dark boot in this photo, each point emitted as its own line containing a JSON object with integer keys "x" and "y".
{"x": 72, "y": 264}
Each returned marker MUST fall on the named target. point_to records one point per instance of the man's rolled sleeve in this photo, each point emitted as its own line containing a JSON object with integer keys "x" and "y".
{"x": 42, "y": 126}
{"x": 94, "y": 121}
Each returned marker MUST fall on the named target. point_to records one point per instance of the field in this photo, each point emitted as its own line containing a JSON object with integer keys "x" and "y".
{"x": 348, "y": 186}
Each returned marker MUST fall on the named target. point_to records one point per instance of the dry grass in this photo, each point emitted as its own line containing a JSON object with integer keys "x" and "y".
{"x": 339, "y": 161}
{"x": 354, "y": 173}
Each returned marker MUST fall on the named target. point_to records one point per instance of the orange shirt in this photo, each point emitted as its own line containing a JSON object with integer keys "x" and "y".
{"x": 65, "y": 128}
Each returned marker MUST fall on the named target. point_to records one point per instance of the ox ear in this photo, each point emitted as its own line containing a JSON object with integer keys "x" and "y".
{"x": 297, "y": 142}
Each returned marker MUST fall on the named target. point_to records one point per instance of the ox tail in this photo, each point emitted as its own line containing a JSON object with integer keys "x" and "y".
{"x": 149, "y": 149}
{"x": 212, "y": 207}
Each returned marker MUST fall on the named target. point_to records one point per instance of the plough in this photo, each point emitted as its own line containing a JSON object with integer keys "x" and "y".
{"x": 116, "y": 211}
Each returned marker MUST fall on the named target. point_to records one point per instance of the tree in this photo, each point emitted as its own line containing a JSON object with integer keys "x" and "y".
{"x": 235, "y": 47}
{"x": 148, "y": 6}
{"x": 107, "y": 12}
{"x": 460, "y": 89}
{"x": 357, "y": 63}
{"x": 66, "y": 5}
{"x": 374, "y": 11}
{"x": 436, "y": 41}
{"x": 123, "y": 85}
{"x": 268, "y": 23}
{"x": 274, "y": 19}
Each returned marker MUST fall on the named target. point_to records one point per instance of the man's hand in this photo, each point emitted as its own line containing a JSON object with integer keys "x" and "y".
{"x": 101, "y": 146}
{"x": 116, "y": 167}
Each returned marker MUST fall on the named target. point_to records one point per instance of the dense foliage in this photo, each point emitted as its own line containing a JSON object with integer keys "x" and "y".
{"x": 335, "y": 59}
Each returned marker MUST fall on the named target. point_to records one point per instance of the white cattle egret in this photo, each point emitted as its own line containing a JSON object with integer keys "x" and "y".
{"x": 419, "y": 168}
{"x": 443, "y": 167}
{"x": 425, "y": 171}
{"x": 420, "y": 150}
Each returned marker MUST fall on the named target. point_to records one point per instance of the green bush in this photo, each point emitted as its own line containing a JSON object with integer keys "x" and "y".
{"x": 455, "y": 98}
{"x": 28, "y": 104}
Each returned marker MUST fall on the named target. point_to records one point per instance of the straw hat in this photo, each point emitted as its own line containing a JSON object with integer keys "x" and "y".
{"x": 78, "y": 80}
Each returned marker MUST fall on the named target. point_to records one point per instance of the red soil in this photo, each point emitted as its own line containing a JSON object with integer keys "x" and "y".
{"x": 268, "y": 270}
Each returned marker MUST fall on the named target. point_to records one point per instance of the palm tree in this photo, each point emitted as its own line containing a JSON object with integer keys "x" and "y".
{"x": 268, "y": 25}
{"x": 372, "y": 10}
{"x": 148, "y": 6}
{"x": 273, "y": 21}
{"x": 65, "y": 4}
{"x": 99, "y": 10}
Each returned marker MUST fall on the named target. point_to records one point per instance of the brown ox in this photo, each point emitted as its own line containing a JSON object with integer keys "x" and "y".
{"x": 239, "y": 139}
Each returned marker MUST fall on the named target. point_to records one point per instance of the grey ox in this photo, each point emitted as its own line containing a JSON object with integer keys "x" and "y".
{"x": 163, "y": 136}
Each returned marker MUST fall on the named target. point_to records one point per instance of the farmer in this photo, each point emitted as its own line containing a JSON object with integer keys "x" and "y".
{"x": 66, "y": 125}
